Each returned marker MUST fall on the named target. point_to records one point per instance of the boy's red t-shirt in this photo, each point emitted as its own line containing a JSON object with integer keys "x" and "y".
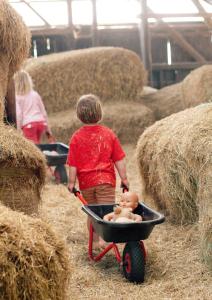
{"x": 93, "y": 150}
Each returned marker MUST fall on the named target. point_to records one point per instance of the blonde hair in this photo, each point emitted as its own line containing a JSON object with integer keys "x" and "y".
{"x": 89, "y": 109}
{"x": 23, "y": 83}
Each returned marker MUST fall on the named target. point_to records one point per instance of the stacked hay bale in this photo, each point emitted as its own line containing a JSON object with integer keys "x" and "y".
{"x": 175, "y": 161}
{"x": 197, "y": 87}
{"x": 128, "y": 121}
{"x": 22, "y": 166}
{"x": 14, "y": 46}
{"x": 33, "y": 260}
{"x": 22, "y": 172}
{"x": 165, "y": 101}
{"x": 111, "y": 73}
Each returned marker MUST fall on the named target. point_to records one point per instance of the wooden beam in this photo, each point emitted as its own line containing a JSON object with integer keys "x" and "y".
{"x": 95, "y": 39}
{"x": 205, "y": 15}
{"x": 46, "y": 23}
{"x": 70, "y": 19}
{"x": 182, "y": 42}
{"x": 144, "y": 38}
{"x": 178, "y": 66}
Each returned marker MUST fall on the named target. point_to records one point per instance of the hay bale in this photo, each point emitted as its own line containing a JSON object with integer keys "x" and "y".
{"x": 205, "y": 216}
{"x": 164, "y": 102}
{"x": 111, "y": 73}
{"x": 197, "y": 87}
{"x": 14, "y": 46}
{"x": 172, "y": 156}
{"x": 175, "y": 162}
{"x": 22, "y": 172}
{"x": 33, "y": 260}
{"x": 127, "y": 120}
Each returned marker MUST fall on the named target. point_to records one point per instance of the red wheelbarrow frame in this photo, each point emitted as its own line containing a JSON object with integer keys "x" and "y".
{"x": 112, "y": 245}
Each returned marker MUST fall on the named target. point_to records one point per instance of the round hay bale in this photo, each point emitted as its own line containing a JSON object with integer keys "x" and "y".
{"x": 14, "y": 46}
{"x": 14, "y": 38}
{"x": 172, "y": 156}
{"x": 110, "y": 73}
{"x": 197, "y": 87}
{"x": 165, "y": 101}
{"x": 175, "y": 162}
{"x": 205, "y": 216}
{"x": 147, "y": 90}
{"x": 127, "y": 120}
{"x": 22, "y": 172}
{"x": 33, "y": 260}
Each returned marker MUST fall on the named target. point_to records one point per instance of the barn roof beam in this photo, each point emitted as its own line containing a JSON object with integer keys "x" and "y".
{"x": 35, "y": 11}
{"x": 181, "y": 40}
{"x": 204, "y": 14}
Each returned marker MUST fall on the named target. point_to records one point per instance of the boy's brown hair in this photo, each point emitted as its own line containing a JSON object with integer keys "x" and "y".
{"x": 89, "y": 109}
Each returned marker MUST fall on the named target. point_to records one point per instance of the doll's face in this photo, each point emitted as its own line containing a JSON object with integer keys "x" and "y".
{"x": 129, "y": 200}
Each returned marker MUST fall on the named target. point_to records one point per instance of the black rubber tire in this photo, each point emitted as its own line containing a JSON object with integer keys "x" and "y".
{"x": 133, "y": 261}
{"x": 60, "y": 174}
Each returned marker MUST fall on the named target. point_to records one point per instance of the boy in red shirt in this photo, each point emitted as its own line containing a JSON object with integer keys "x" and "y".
{"x": 94, "y": 150}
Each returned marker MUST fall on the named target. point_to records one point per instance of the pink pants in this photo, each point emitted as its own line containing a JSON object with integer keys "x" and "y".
{"x": 33, "y": 131}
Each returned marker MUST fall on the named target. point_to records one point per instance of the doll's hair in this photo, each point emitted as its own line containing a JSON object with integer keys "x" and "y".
{"x": 23, "y": 83}
{"x": 89, "y": 109}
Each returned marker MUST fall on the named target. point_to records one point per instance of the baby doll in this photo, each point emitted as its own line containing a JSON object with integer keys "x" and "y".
{"x": 124, "y": 212}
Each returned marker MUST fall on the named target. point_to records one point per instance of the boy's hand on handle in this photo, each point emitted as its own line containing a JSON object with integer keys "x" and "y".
{"x": 125, "y": 184}
{"x": 71, "y": 187}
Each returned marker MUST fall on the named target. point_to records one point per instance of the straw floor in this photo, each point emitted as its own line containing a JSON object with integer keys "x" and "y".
{"x": 174, "y": 269}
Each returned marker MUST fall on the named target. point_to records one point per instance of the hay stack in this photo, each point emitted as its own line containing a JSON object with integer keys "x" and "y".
{"x": 33, "y": 260}
{"x": 165, "y": 101}
{"x": 197, "y": 87}
{"x": 175, "y": 161}
{"x": 22, "y": 172}
{"x": 172, "y": 156}
{"x": 14, "y": 46}
{"x": 127, "y": 120}
{"x": 111, "y": 73}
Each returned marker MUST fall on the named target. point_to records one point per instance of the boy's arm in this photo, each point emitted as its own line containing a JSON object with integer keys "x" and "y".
{"x": 72, "y": 177}
{"x": 121, "y": 168}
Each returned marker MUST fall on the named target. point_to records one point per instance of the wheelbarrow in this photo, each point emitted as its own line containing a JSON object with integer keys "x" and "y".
{"x": 56, "y": 156}
{"x": 133, "y": 260}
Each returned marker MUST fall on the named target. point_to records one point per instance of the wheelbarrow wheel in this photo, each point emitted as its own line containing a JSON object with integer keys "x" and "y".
{"x": 60, "y": 174}
{"x": 133, "y": 262}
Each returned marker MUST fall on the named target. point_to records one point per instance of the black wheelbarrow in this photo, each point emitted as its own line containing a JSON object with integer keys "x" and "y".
{"x": 133, "y": 259}
{"x": 56, "y": 156}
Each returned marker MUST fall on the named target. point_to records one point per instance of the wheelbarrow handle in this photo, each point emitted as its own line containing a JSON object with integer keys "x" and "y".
{"x": 77, "y": 193}
{"x": 124, "y": 187}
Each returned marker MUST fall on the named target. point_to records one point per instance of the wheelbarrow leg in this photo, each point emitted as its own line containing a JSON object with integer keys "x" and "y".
{"x": 101, "y": 254}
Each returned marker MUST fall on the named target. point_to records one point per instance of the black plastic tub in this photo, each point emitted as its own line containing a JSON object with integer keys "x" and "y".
{"x": 60, "y": 148}
{"x": 122, "y": 232}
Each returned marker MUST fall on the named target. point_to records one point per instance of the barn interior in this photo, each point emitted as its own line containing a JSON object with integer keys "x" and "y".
{"x": 150, "y": 62}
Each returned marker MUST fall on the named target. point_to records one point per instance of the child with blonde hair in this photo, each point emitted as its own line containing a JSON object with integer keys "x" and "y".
{"x": 30, "y": 111}
{"x": 94, "y": 153}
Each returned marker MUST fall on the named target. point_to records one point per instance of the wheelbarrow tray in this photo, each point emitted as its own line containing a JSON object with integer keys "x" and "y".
{"x": 122, "y": 232}
{"x": 60, "y": 148}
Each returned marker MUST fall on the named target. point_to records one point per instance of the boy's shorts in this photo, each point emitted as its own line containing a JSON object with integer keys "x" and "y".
{"x": 99, "y": 194}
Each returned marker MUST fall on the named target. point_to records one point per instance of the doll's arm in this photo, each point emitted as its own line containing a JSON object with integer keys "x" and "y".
{"x": 108, "y": 217}
{"x": 137, "y": 218}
